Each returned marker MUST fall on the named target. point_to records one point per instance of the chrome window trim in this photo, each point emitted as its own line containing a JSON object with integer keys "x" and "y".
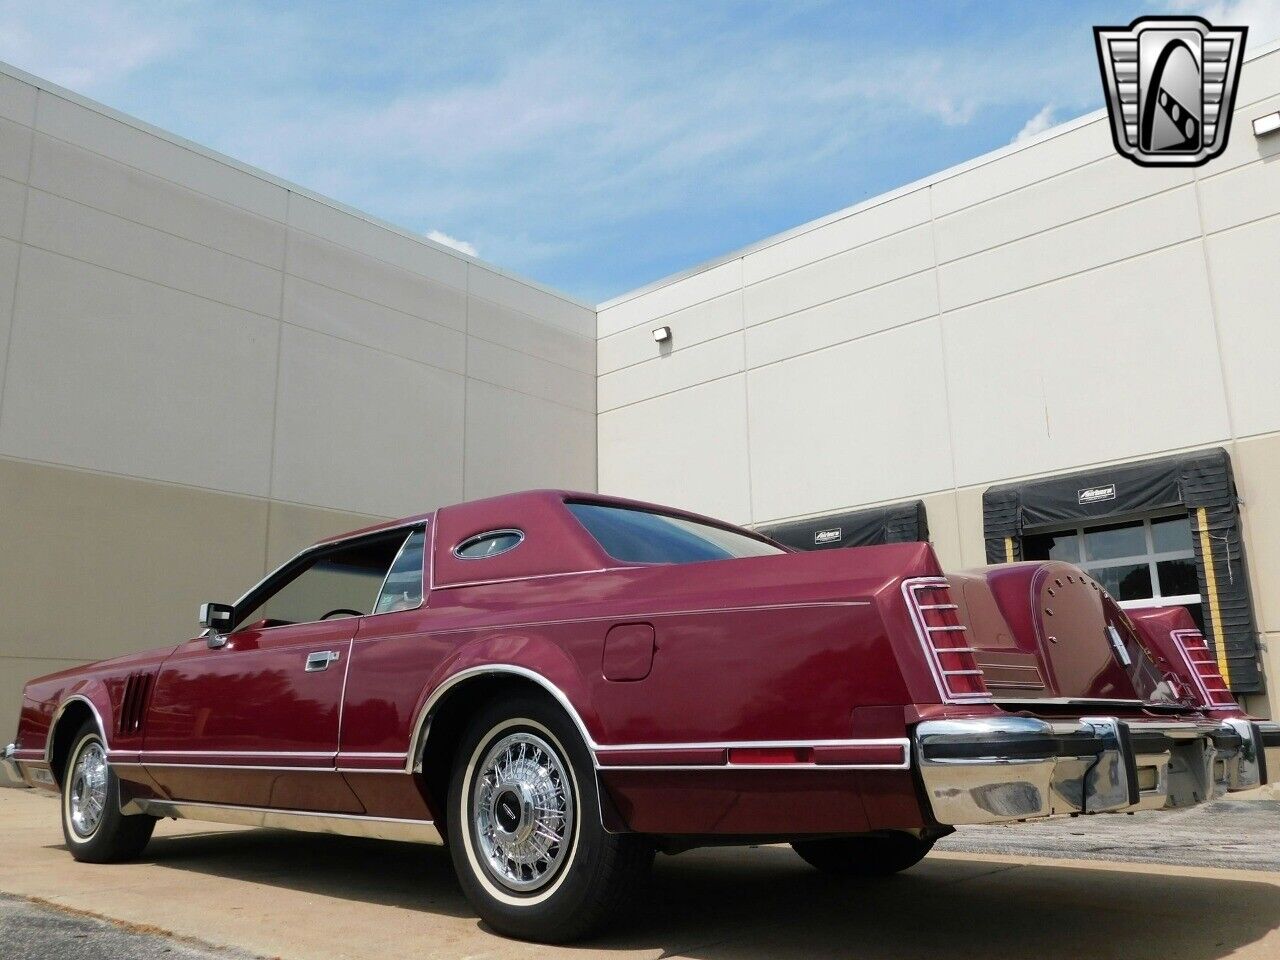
{"x": 485, "y": 535}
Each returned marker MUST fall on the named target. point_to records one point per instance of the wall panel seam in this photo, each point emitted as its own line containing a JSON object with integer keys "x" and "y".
{"x": 946, "y": 373}
{"x": 17, "y": 266}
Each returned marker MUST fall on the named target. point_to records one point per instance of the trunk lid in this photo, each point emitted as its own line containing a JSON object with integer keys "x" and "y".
{"x": 1047, "y": 632}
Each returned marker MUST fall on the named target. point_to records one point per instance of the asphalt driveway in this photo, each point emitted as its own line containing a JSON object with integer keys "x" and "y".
{"x": 270, "y": 894}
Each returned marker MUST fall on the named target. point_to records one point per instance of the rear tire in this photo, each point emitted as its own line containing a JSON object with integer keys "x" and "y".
{"x": 525, "y": 833}
{"x": 873, "y": 855}
{"x": 95, "y": 829}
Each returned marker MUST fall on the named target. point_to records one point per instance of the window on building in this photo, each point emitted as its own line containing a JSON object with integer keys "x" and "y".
{"x": 1147, "y": 562}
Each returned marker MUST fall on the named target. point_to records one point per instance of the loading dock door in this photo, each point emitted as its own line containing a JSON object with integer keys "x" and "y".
{"x": 1150, "y": 496}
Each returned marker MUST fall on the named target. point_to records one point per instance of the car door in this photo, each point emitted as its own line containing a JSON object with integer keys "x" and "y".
{"x": 251, "y": 717}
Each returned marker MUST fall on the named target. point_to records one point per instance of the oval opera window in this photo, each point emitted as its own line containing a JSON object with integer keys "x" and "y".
{"x": 488, "y": 544}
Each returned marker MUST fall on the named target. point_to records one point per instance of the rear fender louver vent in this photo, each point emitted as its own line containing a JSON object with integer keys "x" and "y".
{"x": 133, "y": 705}
{"x": 1204, "y": 669}
{"x": 946, "y": 643}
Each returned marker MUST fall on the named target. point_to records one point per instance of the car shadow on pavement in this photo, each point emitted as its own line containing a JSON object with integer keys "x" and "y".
{"x": 764, "y": 902}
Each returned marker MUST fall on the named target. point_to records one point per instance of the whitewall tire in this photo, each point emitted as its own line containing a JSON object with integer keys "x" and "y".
{"x": 92, "y": 824}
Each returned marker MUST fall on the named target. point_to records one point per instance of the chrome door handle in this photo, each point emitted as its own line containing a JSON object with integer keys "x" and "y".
{"x": 321, "y": 659}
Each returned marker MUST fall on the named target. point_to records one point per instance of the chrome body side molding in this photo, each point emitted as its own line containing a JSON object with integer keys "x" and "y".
{"x": 347, "y": 825}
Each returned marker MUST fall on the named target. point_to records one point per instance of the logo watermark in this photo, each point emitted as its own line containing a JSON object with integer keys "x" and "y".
{"x": 1170, "y": 84}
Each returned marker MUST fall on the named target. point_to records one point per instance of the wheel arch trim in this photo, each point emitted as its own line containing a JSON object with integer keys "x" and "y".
{"x": 57, "y": 718}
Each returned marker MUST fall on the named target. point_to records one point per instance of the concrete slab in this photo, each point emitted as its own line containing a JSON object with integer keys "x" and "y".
{"x": 306, "y": 896}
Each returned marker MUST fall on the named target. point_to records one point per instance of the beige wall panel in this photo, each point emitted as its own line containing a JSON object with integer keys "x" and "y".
{"x": 14, "y": 673}
{"x": 17, "y": 100}
{"x": 13, "y": 197}
{"x": 363, "y": 431}
{"x": 84, "y": 233}
{"x": 1243, "y": 147}
{"x": 371, "y": 239}
{"x": 880, "y": 219}
{"x": 157, "y": 155}
{"x": 95, "y": 566}
{"x": 674, "y": 371}
{"x": 538, "y": 378}
{"x": 693, "y": 325}
{"x": 1244, "y": 194}
{"x": 1074, "y": 195}
{"x": 92, "y": 179}
{"x": 113, "y": 373}
{"x": 880, "y": 308}
{"x": 973, "y": 542}
{"x": 524, "y": 298}
{"x": 944, "y": 532}
{"x": 1260, "y": 78}
{"x": 1119, "y": 362}
{"x": 516, "y": 442}
{"x": 1244, "y": 264}
{"x": 331, "y": 265}
{"x": 518, "y": 331}
{"x": 686, "y": 449}
{"x": 1022, "y": 167}
{"x": 292, "y": 527}
{"x": 8, "y": 281}
{"x": 858, "y": 423}
{"x": 1256, "y": 464}
{"x": 15, "y": 150}
{"x": 341, "y": 315}
{"x": 704, "y": 285}
{"x": 866, "y": 266}
{"x": 1116, "y": 235}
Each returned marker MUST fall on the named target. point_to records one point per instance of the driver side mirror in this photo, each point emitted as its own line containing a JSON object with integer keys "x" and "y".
{"x": 218, "y": 618}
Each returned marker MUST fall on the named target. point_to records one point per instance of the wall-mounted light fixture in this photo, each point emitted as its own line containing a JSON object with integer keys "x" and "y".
{"x": 661, "y": 334}
{"x": 1269, "y": 123}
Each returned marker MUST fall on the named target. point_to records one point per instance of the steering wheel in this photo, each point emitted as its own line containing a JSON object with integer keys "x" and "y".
{"x": 342, "y": 610}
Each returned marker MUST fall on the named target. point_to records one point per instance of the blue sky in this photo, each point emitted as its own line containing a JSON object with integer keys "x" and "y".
{"x": 592, "y": 146}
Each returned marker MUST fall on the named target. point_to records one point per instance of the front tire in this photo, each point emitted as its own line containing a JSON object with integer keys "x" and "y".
{"x": 92, "y": 824}
{"x": 873, "y": 855}
{"x": 524, "y": 827}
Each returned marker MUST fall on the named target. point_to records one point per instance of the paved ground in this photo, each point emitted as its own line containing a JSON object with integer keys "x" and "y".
{"x": 277, "y": 894}
{"x": 33, "y": 931}
{"x": 1237, "y": 834}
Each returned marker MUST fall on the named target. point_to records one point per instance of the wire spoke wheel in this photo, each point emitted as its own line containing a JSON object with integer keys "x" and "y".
{"x": 88, "y": 798}
{"x": 522, "y": 811}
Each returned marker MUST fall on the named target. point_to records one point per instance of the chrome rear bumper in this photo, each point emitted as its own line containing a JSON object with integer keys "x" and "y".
{"x": 1004, "y": 769}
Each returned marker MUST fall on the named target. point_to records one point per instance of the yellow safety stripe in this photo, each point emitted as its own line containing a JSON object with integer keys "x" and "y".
{"x": 1008, "y": 549}
{"x": 1211, "y": 582}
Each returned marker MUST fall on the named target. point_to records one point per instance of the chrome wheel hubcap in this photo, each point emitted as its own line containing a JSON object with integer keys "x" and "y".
{"x": 88, "y": 799}
{"x": 522, "y": 811}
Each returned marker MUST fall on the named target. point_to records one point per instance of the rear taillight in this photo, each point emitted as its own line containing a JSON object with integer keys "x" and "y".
{"x": 1204, "y": 668}
{"x": 945, "y": 640}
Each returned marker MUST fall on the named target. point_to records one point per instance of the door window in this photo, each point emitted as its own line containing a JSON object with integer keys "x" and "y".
{"x": 1142, "y": 563}
{"x": 402, "y": 590}
{"x": 344, "y": 581}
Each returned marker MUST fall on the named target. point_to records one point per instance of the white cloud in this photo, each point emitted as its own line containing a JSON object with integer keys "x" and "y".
{"x": 1262, "y": 17}
{"x": 441, "y": 237}
{"x": 1037, "y": 125}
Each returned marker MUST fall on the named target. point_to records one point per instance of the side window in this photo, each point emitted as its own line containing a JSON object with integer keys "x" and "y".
{"x": 488, "y": 544}
{"x": 403, "y": 587}
{"x": 341, "y": 582}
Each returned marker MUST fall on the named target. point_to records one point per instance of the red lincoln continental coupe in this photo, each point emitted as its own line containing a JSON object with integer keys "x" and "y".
{"x": 556, "y": 685}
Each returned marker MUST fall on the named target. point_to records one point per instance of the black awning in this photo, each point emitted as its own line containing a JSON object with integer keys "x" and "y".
{"x": 898, "y": 523}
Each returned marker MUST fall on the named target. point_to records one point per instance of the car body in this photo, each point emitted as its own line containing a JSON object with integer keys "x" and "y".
{"x": 680, "y": 682}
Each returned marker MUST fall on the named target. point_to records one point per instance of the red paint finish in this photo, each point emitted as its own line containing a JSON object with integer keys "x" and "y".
{"x": 628, "y": 652}
{"x": 770, "y": 695}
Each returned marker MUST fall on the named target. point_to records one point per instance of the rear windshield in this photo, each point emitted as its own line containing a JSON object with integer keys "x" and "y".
{"x": 639, "y": 536}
